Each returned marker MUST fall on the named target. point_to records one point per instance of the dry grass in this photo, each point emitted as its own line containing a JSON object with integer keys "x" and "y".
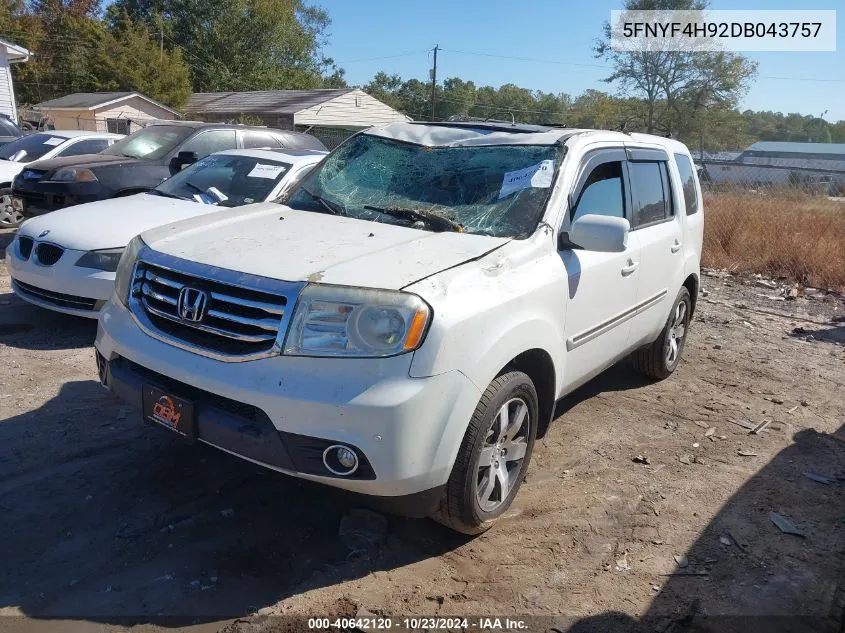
{"x": 791, "y": 235}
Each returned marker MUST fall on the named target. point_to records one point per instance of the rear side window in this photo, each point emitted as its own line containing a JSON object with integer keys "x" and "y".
{"x": 206, "y": 143}
{"x": 688, "y": 182}
{"x": 602, "y": 193}
{"x": 253, "y": 140}
{"x": 652, "y": 197}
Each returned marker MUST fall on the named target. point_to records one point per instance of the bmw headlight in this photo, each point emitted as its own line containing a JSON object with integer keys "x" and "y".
{"x": 73, "y": 174}
{"x": 123, "y": 279}
{"x": 106, "y": 259}
{"x": 356, "y": 322}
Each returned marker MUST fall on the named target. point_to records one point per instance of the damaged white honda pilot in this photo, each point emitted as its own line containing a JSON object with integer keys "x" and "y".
{"x": 403, "y": 325}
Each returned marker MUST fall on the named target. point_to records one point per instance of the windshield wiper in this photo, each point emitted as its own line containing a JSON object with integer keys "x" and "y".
{"x": 434, "y": 218}
{"x": 159, "y": 192}
{"x": 331, "y": 207}
{"x": 195, "y": 188}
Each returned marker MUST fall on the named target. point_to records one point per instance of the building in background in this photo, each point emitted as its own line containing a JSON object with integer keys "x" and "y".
{"x": 330, "y": 115}
{"x": 829, "y": 156}
{"x": 116, "y": 112}
{"x": 9, "y": 54}
{"x": 813, "y": 167}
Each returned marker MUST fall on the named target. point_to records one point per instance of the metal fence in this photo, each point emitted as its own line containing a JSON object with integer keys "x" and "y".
{"x": 330, "y": 136}
{"x": 785, "y": 223}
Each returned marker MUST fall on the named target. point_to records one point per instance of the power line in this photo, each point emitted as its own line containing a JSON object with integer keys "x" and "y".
{"x": 374, "y": 59}
{"x": 525, "y": 59}
{"x": 607, "y": 67}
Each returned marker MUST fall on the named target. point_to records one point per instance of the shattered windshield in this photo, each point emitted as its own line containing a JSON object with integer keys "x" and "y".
{"x": 498, "y": 190}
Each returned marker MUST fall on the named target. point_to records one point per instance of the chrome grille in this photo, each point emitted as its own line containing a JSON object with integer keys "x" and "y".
{"x": 48, "y": 254}
{"x": 244, "y": 316}
{"x": 25, "y": 247}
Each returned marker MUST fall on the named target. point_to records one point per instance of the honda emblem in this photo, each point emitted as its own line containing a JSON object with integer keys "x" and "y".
{"x": 191, "y": 304}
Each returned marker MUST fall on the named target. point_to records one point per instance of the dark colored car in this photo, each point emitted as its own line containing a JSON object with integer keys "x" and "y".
{"x": 9, "y": 131}
{"x": 139, "y": 162}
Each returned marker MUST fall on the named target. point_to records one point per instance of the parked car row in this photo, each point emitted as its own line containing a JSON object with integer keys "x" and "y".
{"x": 17, "y": 155}
{"x": 401, "y": 322}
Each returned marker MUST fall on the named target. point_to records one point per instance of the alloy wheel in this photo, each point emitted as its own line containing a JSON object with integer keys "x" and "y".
{"x": 502, "y": 454}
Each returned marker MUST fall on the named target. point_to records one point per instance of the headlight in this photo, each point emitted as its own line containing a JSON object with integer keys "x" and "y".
{"x": 344, "y": 321}
{"x": 106, "y": 259}
{"x": 123, "y": 279}
{"x": 73, "y": 174}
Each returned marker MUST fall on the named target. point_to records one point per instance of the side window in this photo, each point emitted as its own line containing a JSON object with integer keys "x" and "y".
{"x": 252, "y": 140}
{"x": 89, "y": 146}
{"x": 688, "y": 182}
{"x": 602, "y": 193}
{"x": 652, "y": 198}
{"x": 206, "y": 143}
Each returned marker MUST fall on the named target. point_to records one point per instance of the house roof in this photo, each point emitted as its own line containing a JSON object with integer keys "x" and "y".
{"x": 809, "y": 149}
{"x": 94, "y": 100}
{"x": 260, "y": 101}
{"x": 15, "y": 53}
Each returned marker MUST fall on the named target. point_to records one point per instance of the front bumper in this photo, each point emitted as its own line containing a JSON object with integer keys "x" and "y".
{"x": 62, "y": 287}
{"x": 408, "y": 430}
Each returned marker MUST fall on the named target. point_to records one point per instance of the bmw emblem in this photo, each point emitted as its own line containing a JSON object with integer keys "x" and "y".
{"x": 43, "y": 234}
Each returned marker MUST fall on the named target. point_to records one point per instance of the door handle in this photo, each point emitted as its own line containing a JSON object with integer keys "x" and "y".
{"x": 676, "y": 246}
{"x": 631, "y": 267}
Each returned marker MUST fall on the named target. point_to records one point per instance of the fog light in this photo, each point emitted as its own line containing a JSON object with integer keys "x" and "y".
{"x": 340, "y": 460}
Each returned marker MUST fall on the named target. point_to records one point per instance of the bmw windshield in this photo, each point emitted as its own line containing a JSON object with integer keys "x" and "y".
{"x": 497, "y": 190}
{"x": 240, "y": 180}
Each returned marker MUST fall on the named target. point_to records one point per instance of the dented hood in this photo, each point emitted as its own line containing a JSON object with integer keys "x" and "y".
{"x": 277, "y": 242}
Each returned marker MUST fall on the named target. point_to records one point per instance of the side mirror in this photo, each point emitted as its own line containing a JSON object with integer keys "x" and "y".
{"x": 18, "y": 156}
{"x": 182, "y": 159}
{"x": 602, "y": 233}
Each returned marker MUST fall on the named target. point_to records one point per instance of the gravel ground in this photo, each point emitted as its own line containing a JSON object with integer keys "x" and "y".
{"x": 647, "y": 505}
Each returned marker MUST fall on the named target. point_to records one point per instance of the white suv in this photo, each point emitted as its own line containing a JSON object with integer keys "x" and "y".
{"x": 403, "y": 327}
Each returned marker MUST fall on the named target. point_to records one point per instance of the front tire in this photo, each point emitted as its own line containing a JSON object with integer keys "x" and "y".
{"x": 662, "y": 357}
{"x": 493, "y": 456}
{"x": 10, "y": 217}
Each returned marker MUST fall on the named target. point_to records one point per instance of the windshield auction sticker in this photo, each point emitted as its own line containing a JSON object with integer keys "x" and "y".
{"x": 266, "y": 171}
{"x": 537, "y": 176}
{"x": 723, "y": 30}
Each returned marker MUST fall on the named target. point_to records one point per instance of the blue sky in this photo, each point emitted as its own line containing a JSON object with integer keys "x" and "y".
{"x": 560, "y": 31}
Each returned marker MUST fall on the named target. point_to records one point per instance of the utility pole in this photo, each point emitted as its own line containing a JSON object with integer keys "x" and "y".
{"x": 434, "y": 84}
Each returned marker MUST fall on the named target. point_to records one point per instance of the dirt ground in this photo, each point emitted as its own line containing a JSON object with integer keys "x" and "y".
{"x": 107, "y": 524}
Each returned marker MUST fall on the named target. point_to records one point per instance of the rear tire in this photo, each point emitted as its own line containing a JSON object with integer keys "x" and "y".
{"x": 10, "y": 218}
{"x": 662, "y": 357}
{"x": 493, "y": 456}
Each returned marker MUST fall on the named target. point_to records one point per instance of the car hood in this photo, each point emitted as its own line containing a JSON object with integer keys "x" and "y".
{"x": 110, "y": 223}
{"x": 87, "y": 161}
{"x": 278, "y": 242}
{"x": 8, "y": 170}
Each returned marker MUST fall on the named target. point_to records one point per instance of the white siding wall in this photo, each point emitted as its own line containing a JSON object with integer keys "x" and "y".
{"x": 355, "y": 109}
{"x": 7, "y": 93}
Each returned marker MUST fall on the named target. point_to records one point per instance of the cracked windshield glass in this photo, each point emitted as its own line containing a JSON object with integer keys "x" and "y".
{"x": 497, "y": 190}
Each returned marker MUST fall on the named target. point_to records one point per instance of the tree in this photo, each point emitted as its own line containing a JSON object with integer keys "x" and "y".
{"x": 75, "y": 51}
{"x": 676, "y": 85}
{"x": 241, "y": 45}
{"x": 384, "y": 87}
{"x": 130, "y": 59}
